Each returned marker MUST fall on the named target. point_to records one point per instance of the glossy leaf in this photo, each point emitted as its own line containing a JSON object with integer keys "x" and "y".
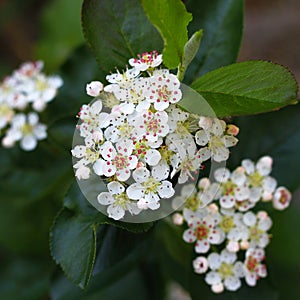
{"x": 171, "y": 19}
{"x": 73, "y": 246}
{"x": 222, "y": 22}
{"x": 246, "y": 88}
{"x": 117, "y": 31}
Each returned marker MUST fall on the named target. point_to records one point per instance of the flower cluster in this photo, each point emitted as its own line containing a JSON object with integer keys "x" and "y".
{"x": 22, "y": 96}
{"x": 137, "y": 138}
{"x": 223, "y": 227}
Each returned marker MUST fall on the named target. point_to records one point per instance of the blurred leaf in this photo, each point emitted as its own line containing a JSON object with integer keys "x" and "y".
{"x": 246, "y": 88}
{"x": 23, "y": 279}
{"x": 130, "y": 286}
{"x": 76, "y": 72}
{"x": 171, "y": 19}
{"x": 170, "y": 236}
{"x": 222, "y": 22}
{"x": 117, "y": 31}
{"x": 60, "y": 32}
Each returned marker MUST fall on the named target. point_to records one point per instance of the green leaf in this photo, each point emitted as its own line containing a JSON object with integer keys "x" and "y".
{"x": 73, "y": 236}
{"x": 171, "y": 19}
{"x": 117, "y": 31}
{"x": 60, "y": 32}
{"x": 190, "y": 51}
{"x": 246, "y": 88}
{"x": 222, "y": 22}
{"x": 73, "y": 246}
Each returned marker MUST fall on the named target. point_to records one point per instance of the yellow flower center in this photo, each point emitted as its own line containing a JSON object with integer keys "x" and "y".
{"x": 226, "y": 270}
{"x": 151, "y": 185}
{"x": 255, "y": 179}
{"x": 227, "y": 223}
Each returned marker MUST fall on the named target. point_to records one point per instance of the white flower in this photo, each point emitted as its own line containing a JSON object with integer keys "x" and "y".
{"x": 188, "y": 164}
{"x": 200, "y": 264}
{"x": 44, "y": 89}
{"x": 88, "y": 154}
{"x": 260, "y": 183}
{"x": 83, "y": 172}
{"x": 226, "y": 271}
{"x": 164, "y": 89}
{"x": 149, "y": 188}
{"x": 213, "y": 135}
{"x": 282, "y": 198}
{"x": 117, "y": 201}
{"x": 27, "y": 130}
{"x": 258, "y": 225}
{"x": 116, "y": 160}
{"x": 252, "y": 266}
{"x": 233, "y": 188}
{"x": 94, "y": 88}
{"x": 204, "y": 232}
{"x": 146, "y": 60}
{"x": 150, "y": 125}
{"x": 92, "y": 119}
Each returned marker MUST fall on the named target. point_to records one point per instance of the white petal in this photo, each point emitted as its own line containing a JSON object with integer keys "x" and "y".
{"x": 220, "y": 154}
{"x": 202, "y": 246}
{"x": 230, "y": 141}
{"x": 249, "y": 219}
{"x": 214, "y": 261}
{"x": 264, "y": 165}
{"x": 222, "y": 174}
{"x": 83, "y": 172}
{"x": 269, "y": 184}
{"x": 228, "y": 257}
{"x": 232, "y": 283}
{"x": 204, "y": 154}
{"x": 105, "y": 198}
{"x": 108, "y": 151}
{"x": 94, "y": 88}
{"x": 123, "y": 174}
{"x": 242, "y": 193}
{"x": 28, "y": 142}
{"x": 161, "y": 171}
{"x": 116, "y": 212}
{"x": 33, "y": 119}
{"x": 213, "y": 278}
{"x": 248, "y": 165}
{"x": 238, "y": 176}
{"x": 227, "y": 201}
{"x": 115, "y": 187}
{"x": 135, "y": 191}
{"x": 79, "y": 151}
{"x": 141, "y": 174}
{"x": 189, "y": 236}
{"x": 201, "y": 137}
{"x": 250, "y": 279}
{"x": 152, "y": 157}
{"x": 98, "y": 166}
{"x": 165, "y": 190}
{"x": 40, "y": 131}
{"x": 255, "y": 194}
